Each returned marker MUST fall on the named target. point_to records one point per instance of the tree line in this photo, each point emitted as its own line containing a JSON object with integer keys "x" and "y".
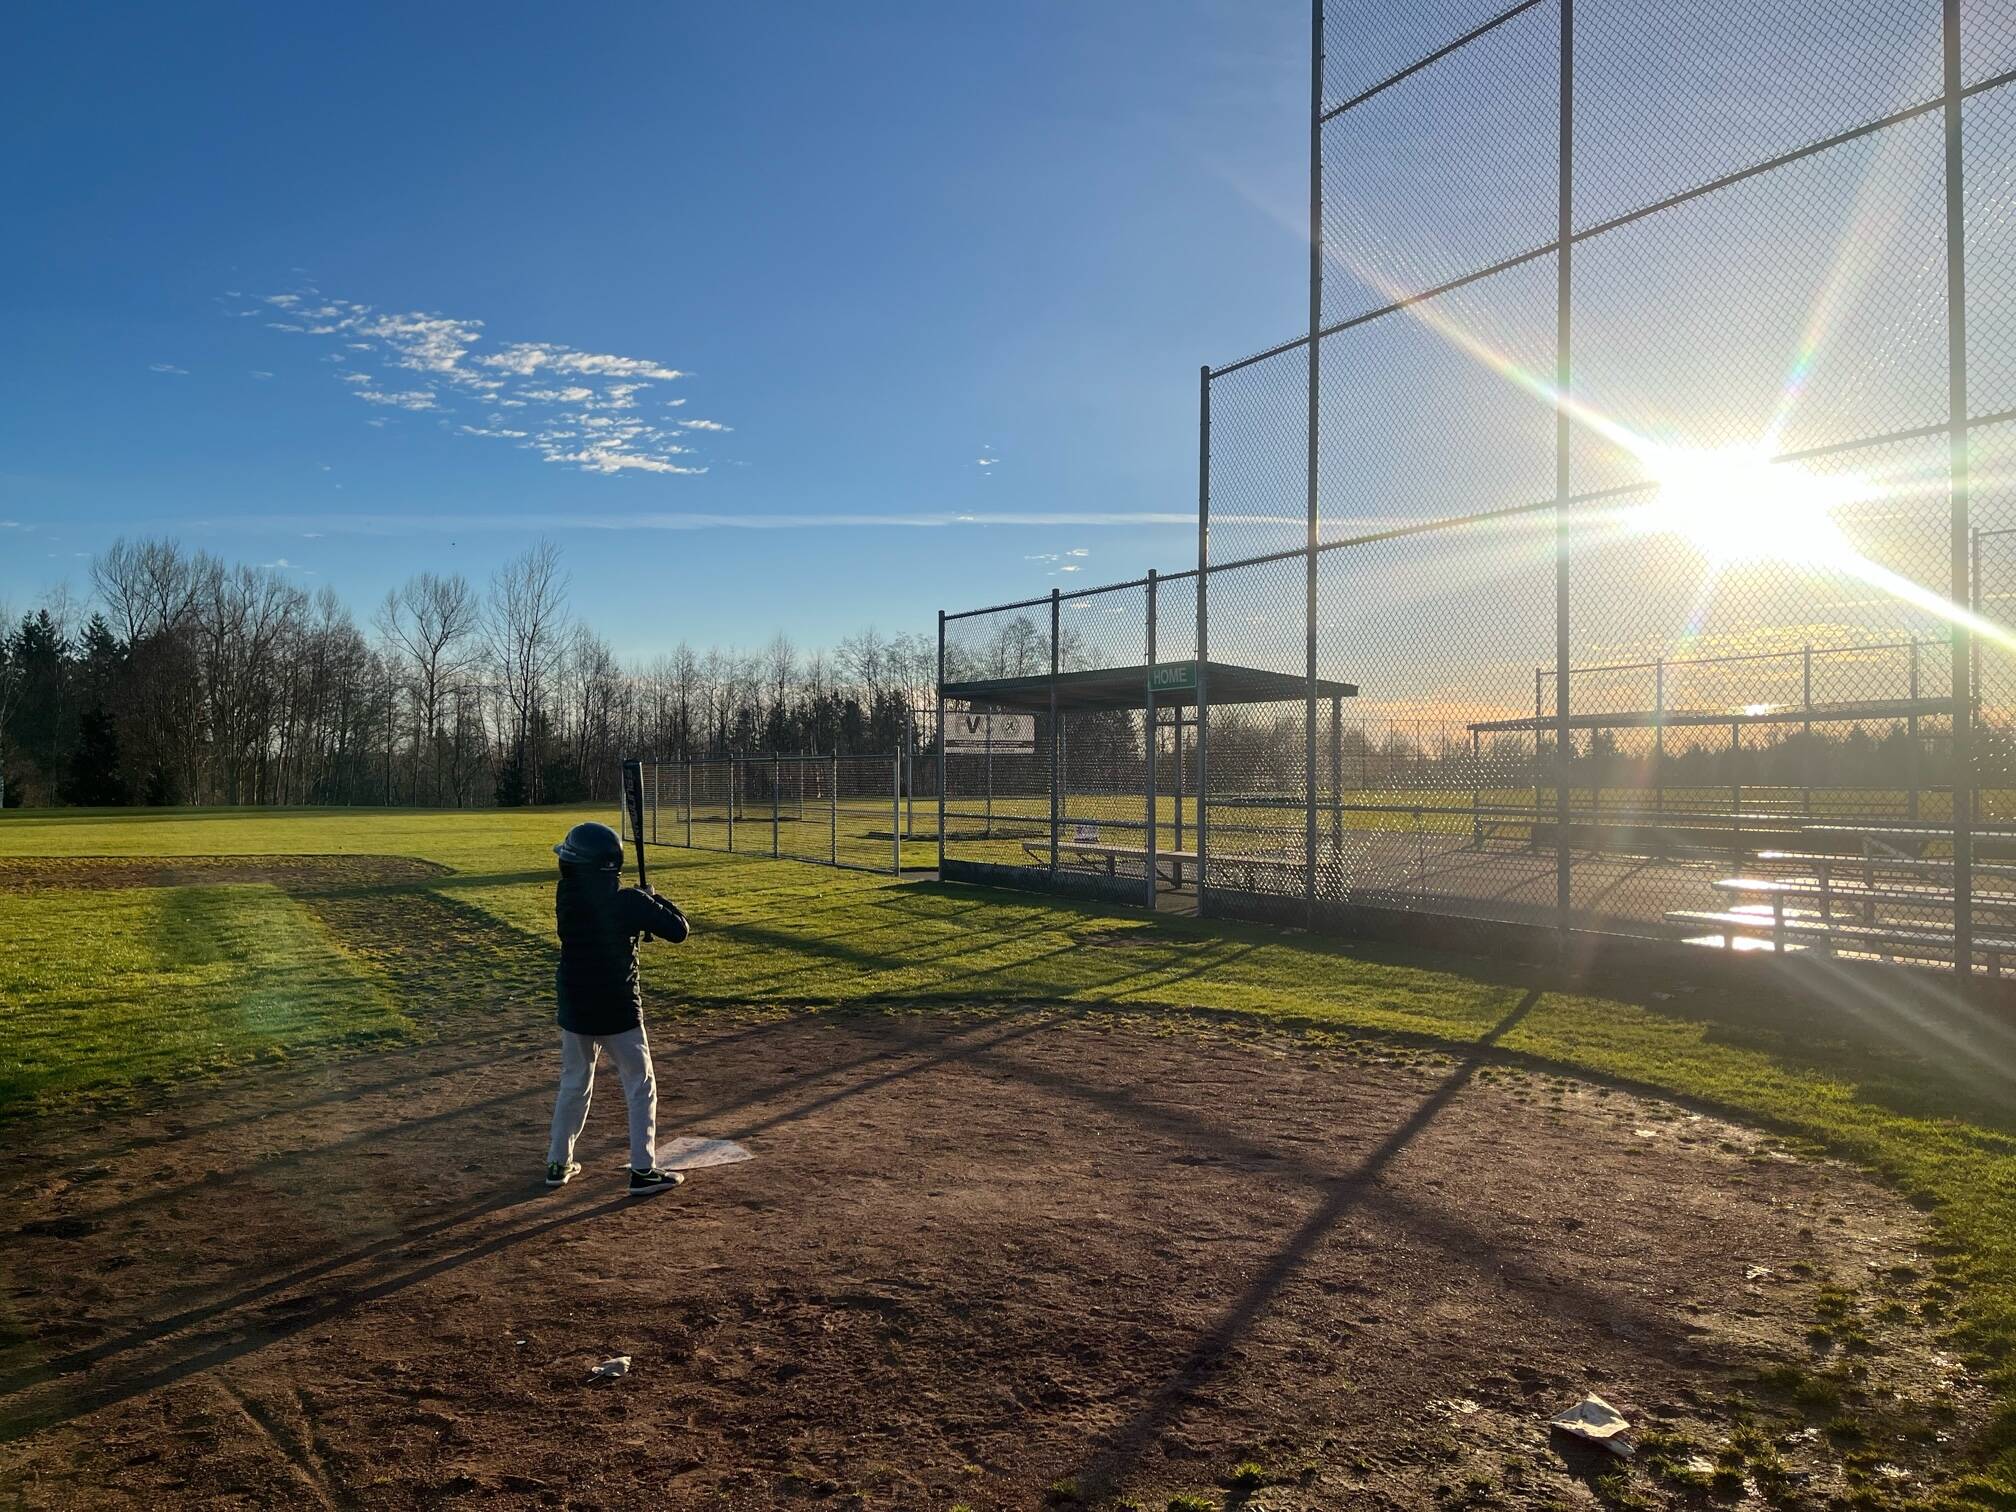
{"x": 184, "y": 679}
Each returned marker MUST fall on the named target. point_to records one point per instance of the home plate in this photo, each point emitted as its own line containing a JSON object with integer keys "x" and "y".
{"x": 697, "y": 1154}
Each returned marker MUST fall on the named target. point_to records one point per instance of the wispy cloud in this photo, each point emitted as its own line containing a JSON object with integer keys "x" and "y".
{"x": 569, "y": 406}
{"x": 1060, "y": 561}
{"x": 167, "y": 367}
{"x": 261, "y": 374}
{"x": 410, "y": 399}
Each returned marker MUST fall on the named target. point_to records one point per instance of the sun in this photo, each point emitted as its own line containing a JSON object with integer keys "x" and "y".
{"x": 1737, "y": 506}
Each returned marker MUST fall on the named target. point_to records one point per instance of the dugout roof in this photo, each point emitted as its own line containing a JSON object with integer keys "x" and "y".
{"x": 1112, "y": 688}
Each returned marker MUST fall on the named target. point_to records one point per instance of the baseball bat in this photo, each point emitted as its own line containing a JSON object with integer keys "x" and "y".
{"x": 633, "y": 800}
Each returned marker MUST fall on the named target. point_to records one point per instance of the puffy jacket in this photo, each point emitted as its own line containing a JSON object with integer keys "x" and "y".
{"x": 600, "y": 922}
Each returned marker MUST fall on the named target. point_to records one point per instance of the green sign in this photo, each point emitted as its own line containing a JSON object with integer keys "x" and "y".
{"x": 1170, "y": 676}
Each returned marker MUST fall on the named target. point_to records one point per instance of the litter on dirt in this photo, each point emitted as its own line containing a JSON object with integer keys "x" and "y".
{"x": 608, "y": 1370}
{"x": 1595, "y": 1421}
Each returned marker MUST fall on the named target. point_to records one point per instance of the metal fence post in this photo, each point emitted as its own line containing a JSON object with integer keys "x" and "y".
{"x": 833, "y": 809}
{"x": 1315, "y": 370}
{"x": 776, "y": 783}
{"x": 689, "y": 803}
{"x": 1564, "y": 896}
{"x": 1659, "y": 741}
{"x": 1806, "y": 733}
{"x": 1203, "y": 628}
{"x": 1911, "y": 729}
{"x": 1148, "y": 731}
{"x": 896, "y": 817}
{"x": 1056, "y": 744}
{"x": 734, "y": 762}
{"x": 1958, "y": 463}
{"x": 941, "y": 743}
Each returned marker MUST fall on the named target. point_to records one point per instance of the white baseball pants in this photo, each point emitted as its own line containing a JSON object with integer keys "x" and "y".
{"x": 632, "y": 1054}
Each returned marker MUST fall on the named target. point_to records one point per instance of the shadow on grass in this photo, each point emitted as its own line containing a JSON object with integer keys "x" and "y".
{"x": 1905, "y": 1040}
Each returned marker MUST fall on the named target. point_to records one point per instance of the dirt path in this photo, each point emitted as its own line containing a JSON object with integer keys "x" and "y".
{"x": 297, "y": 873}
{"x": 977, "y": 1256}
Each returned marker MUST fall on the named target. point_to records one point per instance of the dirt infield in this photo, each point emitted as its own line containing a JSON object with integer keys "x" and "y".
{"x": 299, "y": 873}
{"x": 977, "y": 1257}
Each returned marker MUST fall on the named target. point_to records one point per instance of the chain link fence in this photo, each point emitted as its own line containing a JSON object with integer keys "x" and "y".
{"x": 837, "y": 810}
{"x": 1628, "y": 545}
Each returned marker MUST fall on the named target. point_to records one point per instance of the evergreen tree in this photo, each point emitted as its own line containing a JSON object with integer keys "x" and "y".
{"x": 40, "y": 729}
{"x": 94, "y": 779}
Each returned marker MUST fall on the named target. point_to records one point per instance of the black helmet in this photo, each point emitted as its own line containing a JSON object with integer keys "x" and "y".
{"x": 592, "y": 845}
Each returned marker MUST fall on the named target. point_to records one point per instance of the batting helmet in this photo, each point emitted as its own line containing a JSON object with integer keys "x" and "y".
{"x": 592, "y": 845}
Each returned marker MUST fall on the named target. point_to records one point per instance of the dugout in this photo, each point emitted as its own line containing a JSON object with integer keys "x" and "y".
{"x": 1095, "y": 837}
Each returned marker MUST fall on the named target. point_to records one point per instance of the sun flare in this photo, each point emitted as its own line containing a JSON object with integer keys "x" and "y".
{"x": 1738, "y": 506}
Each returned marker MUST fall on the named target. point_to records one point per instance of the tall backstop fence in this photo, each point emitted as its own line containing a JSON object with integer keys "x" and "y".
{"x": 1628, "y": 542}
{"x": 846, "y": 811}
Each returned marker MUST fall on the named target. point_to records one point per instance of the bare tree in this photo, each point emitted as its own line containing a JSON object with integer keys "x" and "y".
{"x": 780, "y": 667}
{"x": 524, "y": 634}
{"x": 865, "y": 657}
{"x": 431, "y": 623}
{"x": 148, "y": 587}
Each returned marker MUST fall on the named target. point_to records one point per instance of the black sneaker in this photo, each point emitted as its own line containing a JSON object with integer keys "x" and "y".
{"x": 559, "y": 1175}
{"x": 653, "y": 1180}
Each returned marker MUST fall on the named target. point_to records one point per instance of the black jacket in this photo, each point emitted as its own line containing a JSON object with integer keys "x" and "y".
{"x": 600, "y": 921}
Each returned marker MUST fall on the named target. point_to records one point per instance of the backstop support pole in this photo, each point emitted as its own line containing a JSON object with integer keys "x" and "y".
{"x": 941, "y": 742}
{"x": 1056, "y": 734}
{"x": 1315, "y": 369}
{"x": 896, "y": 817}
{"x": 1563, "y": 377}
{"x": 1149, "y": 734}
{"x": 1203, "y": 627}
{"x": 1958, "y": 463}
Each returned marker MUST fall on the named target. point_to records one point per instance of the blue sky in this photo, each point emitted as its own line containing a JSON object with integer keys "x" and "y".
{"x": 879, "y": 243}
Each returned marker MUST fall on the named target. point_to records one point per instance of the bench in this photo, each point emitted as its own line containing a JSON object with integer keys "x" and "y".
{"x": 1822, "y": 864}
{"x": 1865, "y": 898}
{"x": 1908, "y": 840}
{"x": 1112, "y": 855}
{"x": 1038, "y": 850}
{"x": 1792, "y": 929}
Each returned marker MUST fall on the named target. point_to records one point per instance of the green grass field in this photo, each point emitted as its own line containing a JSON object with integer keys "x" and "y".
{"x": 102, "y": 991}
